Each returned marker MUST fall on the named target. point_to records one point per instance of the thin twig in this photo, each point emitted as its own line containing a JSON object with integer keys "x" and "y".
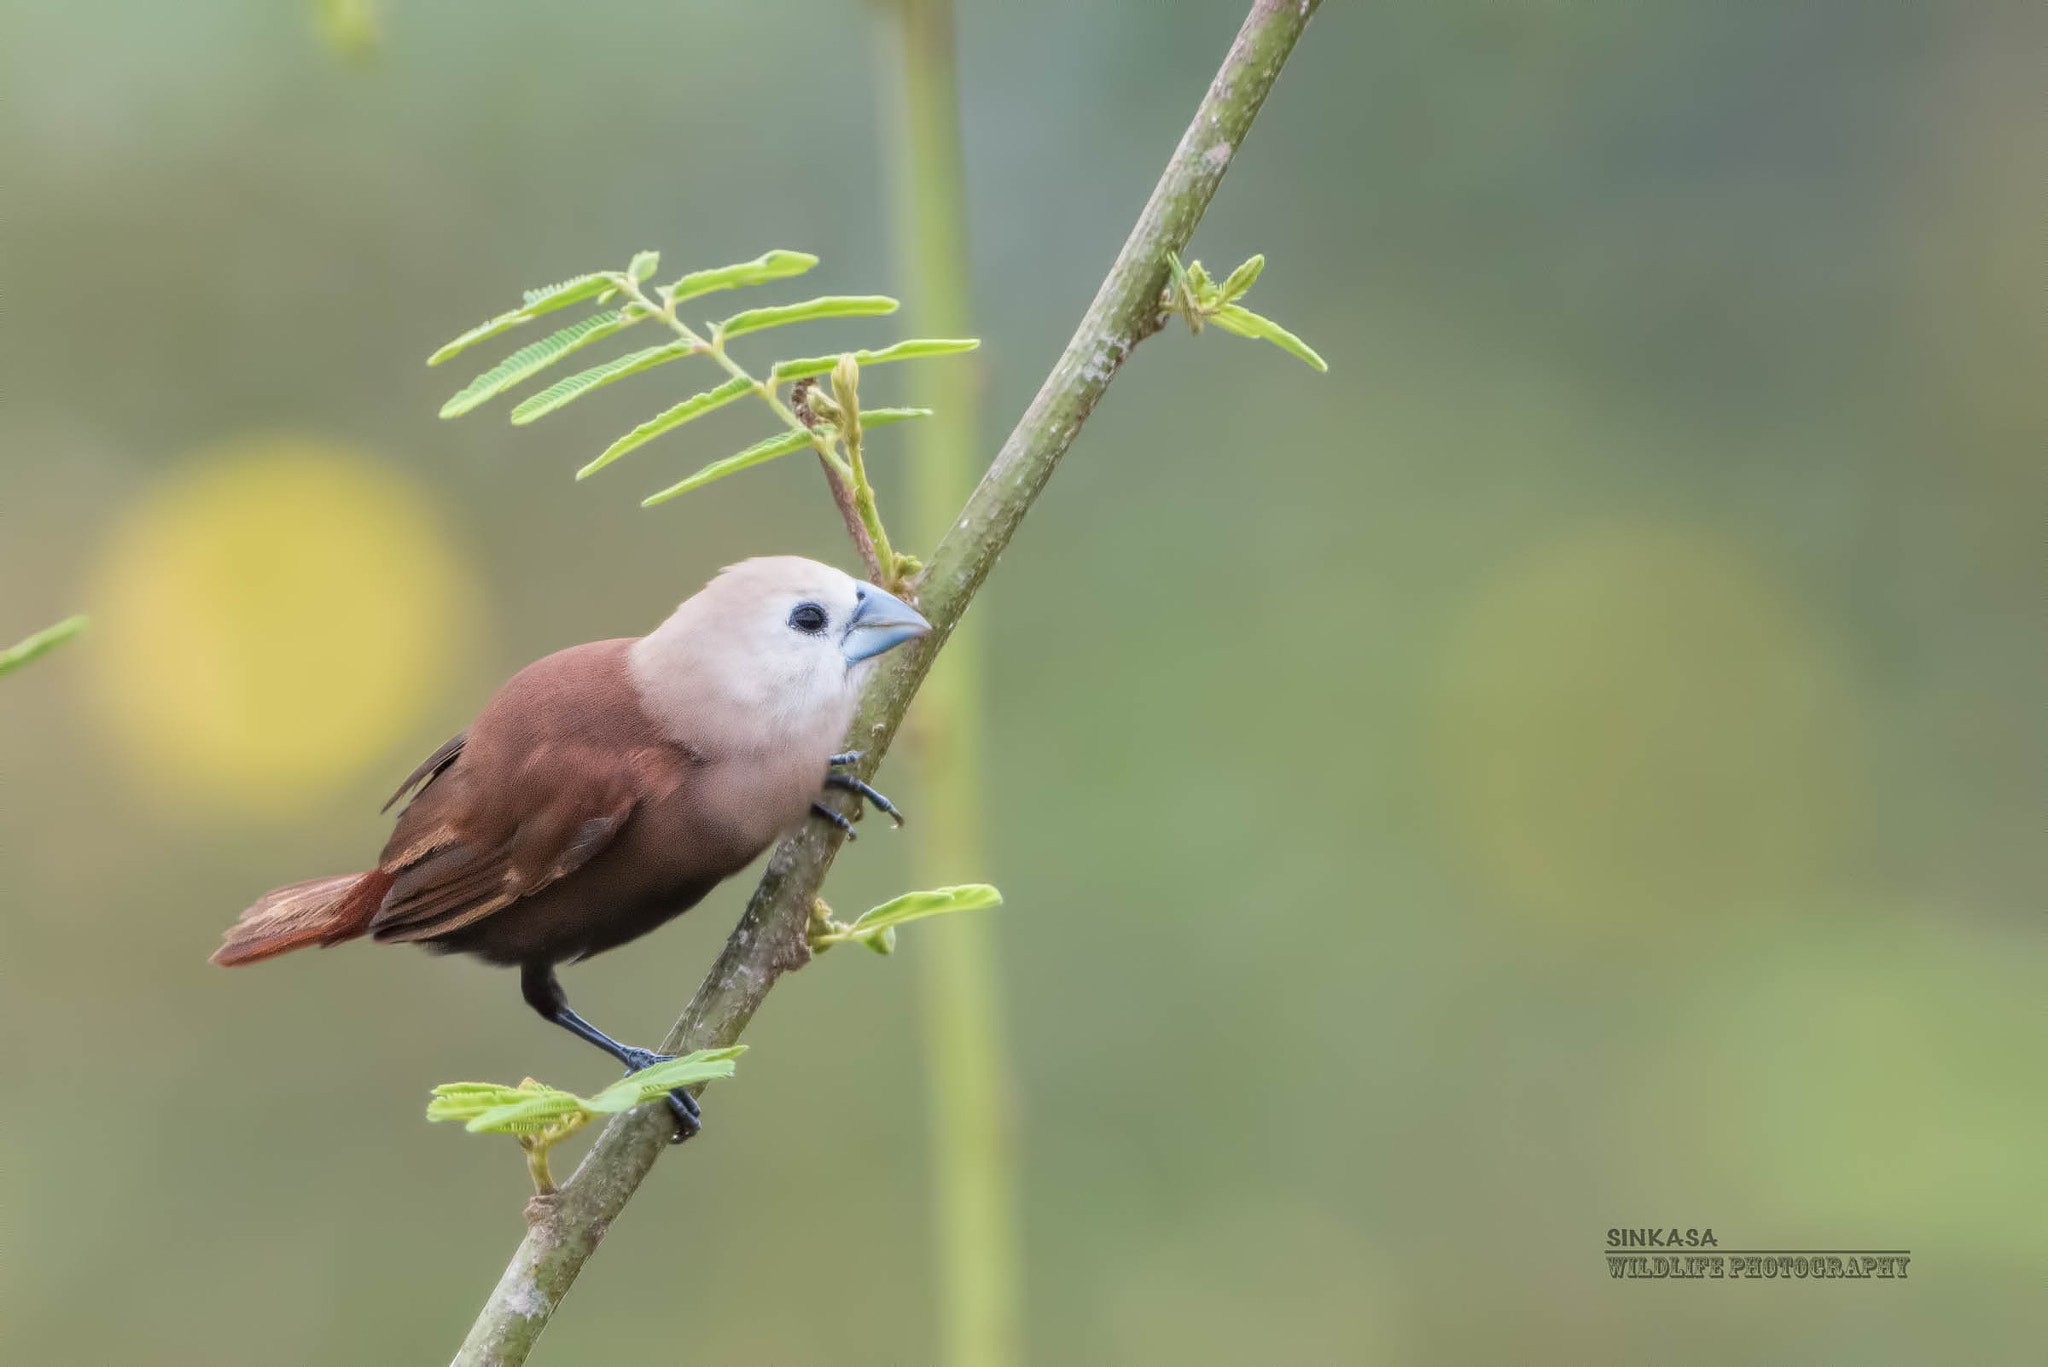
{"x": 769, "y": 939}
{"x": 864, "y": 507}
{"x": 842, "y": 496}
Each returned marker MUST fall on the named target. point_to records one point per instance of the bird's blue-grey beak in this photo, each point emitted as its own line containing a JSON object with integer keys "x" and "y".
{"x": 880, "y": 621}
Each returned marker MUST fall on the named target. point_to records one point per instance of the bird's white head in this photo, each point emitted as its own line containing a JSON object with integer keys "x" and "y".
{"x": 776, "y": 648}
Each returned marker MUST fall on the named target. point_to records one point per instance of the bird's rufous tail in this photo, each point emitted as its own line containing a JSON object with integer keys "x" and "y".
{"x": 319, "y": 911}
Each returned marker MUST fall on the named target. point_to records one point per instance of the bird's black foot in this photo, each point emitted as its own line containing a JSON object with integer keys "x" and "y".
{"x": 849, "y": 757}
{"x": 689, "y": 1119}
{"x": 544, "y": 994}
{"x": 689, "y": 1116}
{"x": 835, "y": 818}
{"x": 854, "y": 785}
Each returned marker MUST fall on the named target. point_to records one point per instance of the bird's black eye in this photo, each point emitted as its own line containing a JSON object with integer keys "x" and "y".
{"x": 807, "y": 617}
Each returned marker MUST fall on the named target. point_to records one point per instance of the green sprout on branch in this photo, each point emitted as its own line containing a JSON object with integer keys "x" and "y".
{"x": 43, "y": 642}
{"x": 832, "y": 427}
{"x": 877, "y": 928}
{"x": 1198, "y": 299}
{"x": 540, "y": 1117}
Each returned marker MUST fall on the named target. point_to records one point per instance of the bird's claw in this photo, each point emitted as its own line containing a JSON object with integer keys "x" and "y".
{"x": 854, "y": 785}
{"x": 689, "y": 1118}
{"x": 836, "y": 818}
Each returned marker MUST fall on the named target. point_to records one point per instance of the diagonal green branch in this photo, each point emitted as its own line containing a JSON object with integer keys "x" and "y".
{"x": 770, "y": 939}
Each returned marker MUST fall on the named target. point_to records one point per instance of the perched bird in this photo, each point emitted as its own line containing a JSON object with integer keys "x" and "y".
{"x": 608, "y": 787}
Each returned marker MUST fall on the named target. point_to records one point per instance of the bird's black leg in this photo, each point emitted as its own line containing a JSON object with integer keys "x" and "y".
{"x": 854, "y": 785}
{"x": 835, "y": 818}
{"x": 537, "y": 983}
{"x": 849, "y": 757}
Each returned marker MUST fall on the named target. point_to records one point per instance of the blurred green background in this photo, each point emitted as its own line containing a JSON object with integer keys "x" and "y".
{"x": 1578, "y": 764}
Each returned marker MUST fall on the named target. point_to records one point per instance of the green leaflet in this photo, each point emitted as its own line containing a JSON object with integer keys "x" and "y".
{"x": 644, "y": 265}
{"x": 563, "y": 390}
{"x": 457, "y": 1091}
{"x": 44, "y": 641}
{"x": 825, "y": 306}
{"x": 779, "y": 445}
{"x": 771, "y": 447}
{"x": 877, "y": 928}
{"x": 902, "y": 351}
{"x": 530, "y": 360}
{"x": 882, "y": 417}
{"x": 915, "y": 906}
{"x": 533, "y": 1114}
{"x": 467, "y": 1100}
{"x": 663, "y": 422}
{"x": 1242, "y": 278}
{"x": 537, "y": 302}
{"x": 767, "y": 266}
{"x": 1245, "y": 323}
{"x": 551, "y": 297}
{"x": 525, "y": 1109}
{"x": 768, "y": 449}
{"x": 649, "y": 1083}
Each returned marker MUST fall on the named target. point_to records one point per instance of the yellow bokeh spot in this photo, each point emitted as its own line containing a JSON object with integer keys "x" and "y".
{"x": 1635, "y": 721}
{"x": 271, "y": 620}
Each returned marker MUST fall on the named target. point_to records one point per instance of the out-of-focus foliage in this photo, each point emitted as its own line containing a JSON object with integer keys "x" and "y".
{"x": 1560, "y": 771}
{"x": 1579, "y": 764}
{"x": 275, "y": 613}
{"x": 352, "y": 29}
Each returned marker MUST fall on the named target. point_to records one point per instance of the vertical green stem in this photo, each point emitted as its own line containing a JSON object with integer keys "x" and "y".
{"x": 537, "y": 1165}
{"x": 973, "y": 1161}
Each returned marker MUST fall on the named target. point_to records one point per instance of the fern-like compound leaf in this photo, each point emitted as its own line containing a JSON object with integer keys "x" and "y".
{"x": 902, "y": 351}
{"x": 779, "y": 445}
{"x": 765, "y": 267}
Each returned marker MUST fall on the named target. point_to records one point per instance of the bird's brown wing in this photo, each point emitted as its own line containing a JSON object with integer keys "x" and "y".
{"x": 475, "y": 841}
{"x": 430, "y": 768}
